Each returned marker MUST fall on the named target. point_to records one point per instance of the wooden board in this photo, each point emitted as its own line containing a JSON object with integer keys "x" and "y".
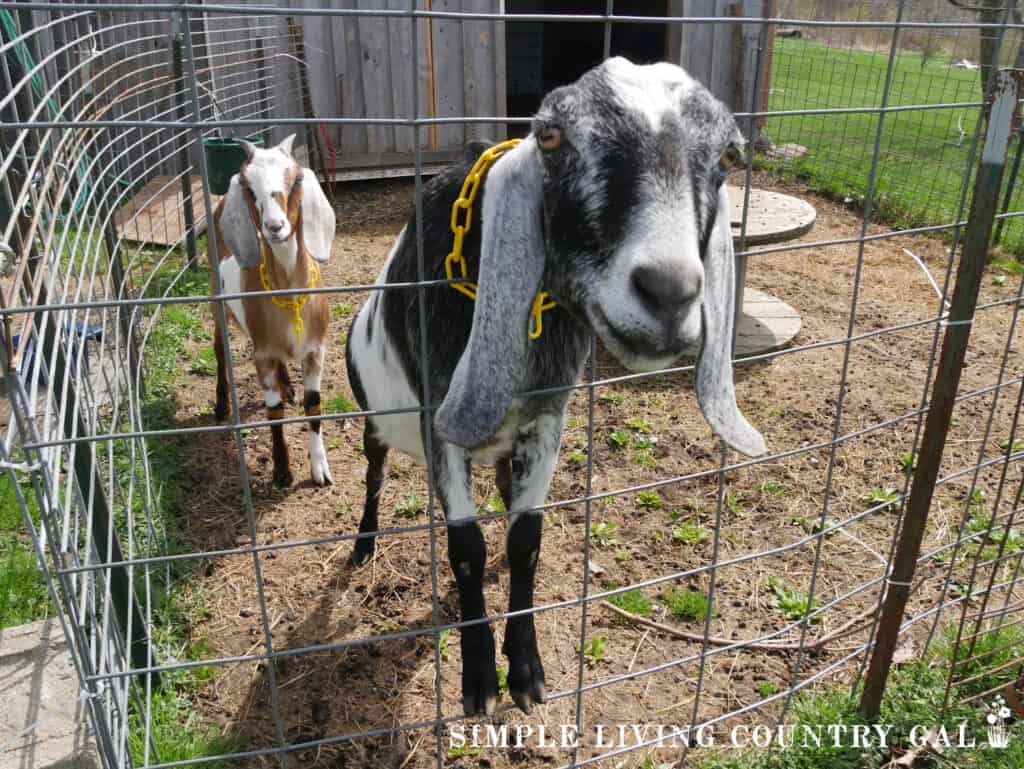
{"x": 765, "y": 324}
{"x": 771, "y": 217}
{"x": 155, "y": 213}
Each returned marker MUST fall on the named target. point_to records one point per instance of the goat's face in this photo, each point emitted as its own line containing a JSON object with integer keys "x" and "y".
{"x": 633, "y": 160}
{"x": 616, "y": 204}
{"x": 270, "y": 179}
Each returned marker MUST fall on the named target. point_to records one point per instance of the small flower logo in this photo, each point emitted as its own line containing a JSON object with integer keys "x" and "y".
{"x": 996, "y": 716}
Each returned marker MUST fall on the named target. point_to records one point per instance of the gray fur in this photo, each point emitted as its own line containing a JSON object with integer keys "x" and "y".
{"x": 715, "y": 391}
{"x": 491, "y": 370}
{"x": 237, "y": 228}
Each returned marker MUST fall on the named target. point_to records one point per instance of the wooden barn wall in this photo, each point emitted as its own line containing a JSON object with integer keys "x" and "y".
{"x": 722, "y": 56}
{"x": 250, "y": 66}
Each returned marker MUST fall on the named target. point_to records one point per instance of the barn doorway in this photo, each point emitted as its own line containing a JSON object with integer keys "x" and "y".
{"x": 546, "y": 54}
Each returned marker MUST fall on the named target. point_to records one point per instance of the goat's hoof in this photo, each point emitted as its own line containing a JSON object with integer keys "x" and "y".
{"x": 321, "y": 472}
{"x": 479, "y": 675}
{"x": 363, "y": 552}
{"x": 526, "y": 679}
{"x": 283, "y": 478}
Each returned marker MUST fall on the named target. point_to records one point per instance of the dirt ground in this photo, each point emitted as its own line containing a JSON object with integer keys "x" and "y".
{"x": 314, "y": 596}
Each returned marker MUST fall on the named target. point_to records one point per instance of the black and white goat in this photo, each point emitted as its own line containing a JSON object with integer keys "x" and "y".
{"x": 615, "y": 204}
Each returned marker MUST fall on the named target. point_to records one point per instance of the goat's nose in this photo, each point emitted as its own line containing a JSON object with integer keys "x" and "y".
{"x": 275, "y": 227}
{"x": 664, "y": 290}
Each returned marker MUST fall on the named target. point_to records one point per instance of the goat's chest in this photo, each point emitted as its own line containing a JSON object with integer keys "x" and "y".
{"x": 276, "y": 330}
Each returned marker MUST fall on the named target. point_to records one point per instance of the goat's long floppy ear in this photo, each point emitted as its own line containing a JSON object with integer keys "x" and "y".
{"x": 491, "y": 368}
{"x": 715, "y": 391}
{"x": 238, "y": 228}
{"x": 318, "y": 222}
{"x": 248, "y": 147}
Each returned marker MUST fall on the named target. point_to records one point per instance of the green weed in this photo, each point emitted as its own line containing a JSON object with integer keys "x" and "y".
{"x": 691, "y": 605}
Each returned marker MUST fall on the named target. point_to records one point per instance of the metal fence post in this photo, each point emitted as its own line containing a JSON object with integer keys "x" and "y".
{"x": 947, "y": 381}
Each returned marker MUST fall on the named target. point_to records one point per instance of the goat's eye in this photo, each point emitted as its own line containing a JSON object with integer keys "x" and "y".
{"x": 731, "y": 157}
{"x": 550, "y": 138}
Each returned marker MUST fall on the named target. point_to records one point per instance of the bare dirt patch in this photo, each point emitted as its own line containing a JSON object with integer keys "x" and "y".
{"x": 645, "y": 431}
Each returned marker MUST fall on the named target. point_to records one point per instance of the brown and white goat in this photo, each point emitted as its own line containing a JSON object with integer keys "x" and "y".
{"x": 271, "y": 227}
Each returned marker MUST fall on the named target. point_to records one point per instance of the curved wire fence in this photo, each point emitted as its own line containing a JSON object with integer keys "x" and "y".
{"x": 195, "y": 597}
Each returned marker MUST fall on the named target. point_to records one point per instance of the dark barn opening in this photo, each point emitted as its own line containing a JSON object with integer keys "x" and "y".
{"x": 545, "y": 55}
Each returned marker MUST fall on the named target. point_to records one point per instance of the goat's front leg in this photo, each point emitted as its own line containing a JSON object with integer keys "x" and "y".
{"x": 312, "y": 363}
{"x": 467, "y": 554}
{"x": 267, "y": 370}
{"x": 533, "y": 463}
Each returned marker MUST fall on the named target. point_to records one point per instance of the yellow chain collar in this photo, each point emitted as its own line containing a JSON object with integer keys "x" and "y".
{"x": 467, "y": 196}
{"x": 295, "y": 304}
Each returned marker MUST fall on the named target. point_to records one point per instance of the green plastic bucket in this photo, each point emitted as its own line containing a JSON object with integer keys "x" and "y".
{"x": 223, "y": 159}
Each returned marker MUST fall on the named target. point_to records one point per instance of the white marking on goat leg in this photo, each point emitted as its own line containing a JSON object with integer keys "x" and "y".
{"x": 537, "y": 449}
{"x": 272, "y": 398}
{"x": 231, "y": 283}
{"x": 456, "y": 486}
{"x": 318, "y": 466}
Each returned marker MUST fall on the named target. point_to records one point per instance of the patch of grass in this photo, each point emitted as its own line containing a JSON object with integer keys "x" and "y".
{"x": 494, "y": 504}
{"x": 906, "y": 461}
{"x": 767, "y": 689}
{"x": 340, "y": 404}
{"x": 178, "y": 729}
{"x": 734, "y": 502}
{"x": 462, "y": 751}
{"x": 920, "y": 173}
{"x": 177, "y": 732}
{"x": 771, "y": 488}
{"x": 913, "y": 697}
{"x": 1006, "y": 264}
{"x": 23, "y": 594}
{"x": 643, "y": 441}
{"x": 886, "y": 496}
{"x": 645, "y": 458}
{"x": 640, "y": 425}
{"x": 611, "y": 396}
{"x": 205, "y": 364}
{"x": 1014, "y": 447}
{"x": 690, "y": 533}
{"x": 604, "y": 533}
{"x": 690, "y": 605}
{"x": 444, "y": 644}
{"x": 619, "y": 439}
{"x": 793, "y": 604}
{"x": 595, "y": 650}
{"x": 633, "y": 601}
{"x": 341, "y": 309}
{"x": 410, "y": 506}
{"x": 649, "y": 499}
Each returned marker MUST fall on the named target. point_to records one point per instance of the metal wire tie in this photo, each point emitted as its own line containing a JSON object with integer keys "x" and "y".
{"x": 966, "y": 322}
{"x": 23, "y": 467}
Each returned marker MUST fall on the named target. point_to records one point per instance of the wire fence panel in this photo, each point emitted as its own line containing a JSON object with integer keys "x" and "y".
{"x": 217, "y": 618}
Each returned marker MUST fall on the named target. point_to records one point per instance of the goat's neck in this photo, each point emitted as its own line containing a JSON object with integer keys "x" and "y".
{"x": 287, "y": 264}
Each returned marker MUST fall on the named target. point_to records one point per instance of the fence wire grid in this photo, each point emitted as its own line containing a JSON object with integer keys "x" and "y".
{"x": 678, "y": 583}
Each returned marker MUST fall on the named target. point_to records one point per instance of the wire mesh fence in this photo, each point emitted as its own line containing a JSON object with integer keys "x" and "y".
{"x": 215, "y": 619}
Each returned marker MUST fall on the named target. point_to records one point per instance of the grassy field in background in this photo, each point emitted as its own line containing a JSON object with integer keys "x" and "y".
{"x": 923, "y": 156}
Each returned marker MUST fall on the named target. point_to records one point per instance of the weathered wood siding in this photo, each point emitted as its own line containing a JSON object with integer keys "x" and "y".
{"x": 722, "y": 56}
{"x": 361, "y": 67}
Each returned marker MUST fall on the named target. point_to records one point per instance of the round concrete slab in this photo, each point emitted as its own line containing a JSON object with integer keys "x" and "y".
{"x": 771, "y": 217}
{"x": 765, "y": 324}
